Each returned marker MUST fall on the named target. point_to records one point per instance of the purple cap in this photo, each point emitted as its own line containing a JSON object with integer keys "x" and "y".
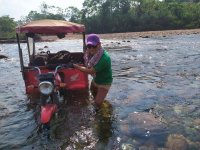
{"x": 93, "y": 39}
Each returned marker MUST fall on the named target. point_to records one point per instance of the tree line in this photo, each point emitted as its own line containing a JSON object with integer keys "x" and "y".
{"x": 112, "y": 16}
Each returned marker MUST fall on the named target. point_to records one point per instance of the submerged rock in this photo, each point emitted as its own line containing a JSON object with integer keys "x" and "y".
{"x": 141, "y": 123}
{"x": 196, "y": 123}
{"x": 185, "y": 109}
{"x": 177, "y": 142}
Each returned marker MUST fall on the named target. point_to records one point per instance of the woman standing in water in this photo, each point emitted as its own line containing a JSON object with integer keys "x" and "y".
{"x": 98, "y": 64}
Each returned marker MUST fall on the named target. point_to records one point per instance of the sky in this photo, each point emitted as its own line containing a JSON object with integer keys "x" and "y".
{"x": 20, "y": 8}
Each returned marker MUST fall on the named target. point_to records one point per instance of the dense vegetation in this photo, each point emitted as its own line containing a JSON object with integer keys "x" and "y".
{"x": 7, "y": 27}
{"x": 109, "y": 16}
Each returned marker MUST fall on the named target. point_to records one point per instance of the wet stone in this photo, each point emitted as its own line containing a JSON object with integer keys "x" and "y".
{"x": 180, "y": 109}
{"x": 3, "y": 57}
{"x": 142, "y": 122}
{"x": 177, "y": 142}
{"x": 196, "y": 122}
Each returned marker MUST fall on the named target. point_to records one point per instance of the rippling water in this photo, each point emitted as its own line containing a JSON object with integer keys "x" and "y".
{"x": 154, "y": 101}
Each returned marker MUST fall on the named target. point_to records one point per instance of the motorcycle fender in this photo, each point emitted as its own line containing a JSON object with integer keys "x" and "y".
{"x": 47, "y": 112}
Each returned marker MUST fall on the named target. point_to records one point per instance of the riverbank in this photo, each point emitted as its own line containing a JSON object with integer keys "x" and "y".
{"x": 144, "y": 34}
{"x": 126, "y": 35}
{"x": 147, "y": 34}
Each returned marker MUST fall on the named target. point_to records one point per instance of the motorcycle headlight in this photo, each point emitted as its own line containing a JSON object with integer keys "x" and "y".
{"x": 46, "y": 87}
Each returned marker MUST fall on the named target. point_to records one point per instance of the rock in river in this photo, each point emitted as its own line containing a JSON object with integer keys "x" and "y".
{"x": 3, "y": 56}
{"x": 142, "y": 122}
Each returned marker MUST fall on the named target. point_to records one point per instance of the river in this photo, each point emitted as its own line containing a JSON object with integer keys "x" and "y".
{"x": 154, "y": 101}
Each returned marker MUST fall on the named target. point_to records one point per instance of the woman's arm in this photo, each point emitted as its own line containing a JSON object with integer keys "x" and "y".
{"x": 84, "y": 69}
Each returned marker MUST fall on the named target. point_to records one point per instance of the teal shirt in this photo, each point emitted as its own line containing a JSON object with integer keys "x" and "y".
{"x": 103, "y": 70}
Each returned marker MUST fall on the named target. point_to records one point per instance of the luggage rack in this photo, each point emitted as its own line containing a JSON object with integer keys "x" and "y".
{"x": 57, "y": 58}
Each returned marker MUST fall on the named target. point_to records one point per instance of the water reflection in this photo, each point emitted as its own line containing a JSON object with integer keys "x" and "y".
{"x": 103, "y": 125}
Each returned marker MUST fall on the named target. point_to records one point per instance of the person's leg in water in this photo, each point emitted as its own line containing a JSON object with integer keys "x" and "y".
{"x": 99, "y": 92}
{"x": 101, "y": 95}
{"x": 93, "y": 89}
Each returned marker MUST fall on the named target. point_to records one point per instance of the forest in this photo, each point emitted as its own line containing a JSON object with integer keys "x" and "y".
{"x": 116, "y": 16}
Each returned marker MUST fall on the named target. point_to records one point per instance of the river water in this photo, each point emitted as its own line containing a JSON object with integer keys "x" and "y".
{"x": 154, "y": 101}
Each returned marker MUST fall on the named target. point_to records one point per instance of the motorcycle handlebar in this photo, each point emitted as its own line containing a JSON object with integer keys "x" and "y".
{"x": 68, "y": 65}
{"x": 38, "y": 69}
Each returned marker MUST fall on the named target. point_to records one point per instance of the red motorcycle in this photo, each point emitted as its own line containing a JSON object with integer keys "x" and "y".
{"x": 49, "y": 74}
{"x": 49, "y": 88}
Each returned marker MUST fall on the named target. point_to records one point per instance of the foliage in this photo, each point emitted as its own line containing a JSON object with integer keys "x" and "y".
{"x": 47, "y": 12}
{"x": 7, "y": 27}
{"x": 109, "y": 16}
{"x": 73, "y": 14}
{"x": 103, "y": 16}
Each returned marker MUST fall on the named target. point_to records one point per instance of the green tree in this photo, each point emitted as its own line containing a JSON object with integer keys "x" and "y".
{"x": 7, "y": 27}
{"x": 47, "y": 12}
{"x": 104, "y": 16}
{"x": 73, "y": 14}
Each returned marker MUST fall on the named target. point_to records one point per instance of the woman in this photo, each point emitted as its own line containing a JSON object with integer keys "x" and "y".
{"x": 98, "y": 64}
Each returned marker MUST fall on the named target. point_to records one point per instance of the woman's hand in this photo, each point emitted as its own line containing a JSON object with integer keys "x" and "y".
{"x": 76, "y": 66}
{"x": 84, "y": 69}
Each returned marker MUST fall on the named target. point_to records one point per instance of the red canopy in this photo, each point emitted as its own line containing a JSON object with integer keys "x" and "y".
{"x": 48, "y": 26}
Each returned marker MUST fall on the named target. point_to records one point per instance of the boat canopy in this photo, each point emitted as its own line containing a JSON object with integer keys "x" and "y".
{"x": 48, "y": 26}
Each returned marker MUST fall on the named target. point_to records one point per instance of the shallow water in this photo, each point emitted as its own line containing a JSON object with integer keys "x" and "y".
{"x": 153, "y": 103}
